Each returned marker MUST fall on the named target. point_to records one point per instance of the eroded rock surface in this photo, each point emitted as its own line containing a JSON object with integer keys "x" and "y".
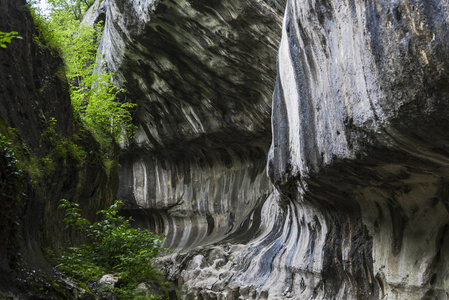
{"x": 202, "y": 74}
{"x": 358, "y": 115}
{"x": 358, "y": 161}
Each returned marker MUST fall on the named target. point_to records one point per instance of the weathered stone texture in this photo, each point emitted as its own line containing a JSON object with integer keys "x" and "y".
{"x": 358, "y": 115}
{"x": 358, "y": 160}
{"x": 195, "y": 197}
{"x": 202, "y": 74}
{"x": 196, "y": 69}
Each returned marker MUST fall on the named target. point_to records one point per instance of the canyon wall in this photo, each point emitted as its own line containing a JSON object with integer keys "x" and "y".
{"x": 349, "y": 202}
{"x": 357, "y": 205}
{"x": 38, "y": 166}
{"x": 202, "y": 75}
{"x": 358, "y": 138}
{"x": 368, "y": 82}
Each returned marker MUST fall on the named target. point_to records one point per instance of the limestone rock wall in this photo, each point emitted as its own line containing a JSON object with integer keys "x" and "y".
{"x": 197, "y": 70}
{"x": 358, "y": 161}
{"x": 357, "y": 206}
{"x": 358, "y": 112}
{"x": 196, "y": 197}
{"x": 202, "y": 75}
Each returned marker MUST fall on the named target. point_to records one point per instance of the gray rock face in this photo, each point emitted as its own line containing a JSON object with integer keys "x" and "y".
{"x": 196, "y": 197}
{"x": 200, "y": 72}
{"x": 358, "y": 161}
{"x": 359, "y": 147}
{"x": 202, "y": 75}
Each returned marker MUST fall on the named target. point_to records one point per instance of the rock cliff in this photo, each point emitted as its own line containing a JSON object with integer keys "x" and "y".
{"x": 358, "y": 160}
{"x": 202, "y": 75}
{"x": 358, "y": 143}
{"x": 38, "y": 134}
{"x": 349, "y": 202}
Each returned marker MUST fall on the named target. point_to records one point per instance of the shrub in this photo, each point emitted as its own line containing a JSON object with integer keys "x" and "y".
{"x": 113, "y": 247}
{"x": 93, "y": 94}
{"x": 61, "y": 147}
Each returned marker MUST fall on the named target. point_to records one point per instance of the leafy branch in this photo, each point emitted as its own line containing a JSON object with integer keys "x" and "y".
{"x": 6, "y": 37}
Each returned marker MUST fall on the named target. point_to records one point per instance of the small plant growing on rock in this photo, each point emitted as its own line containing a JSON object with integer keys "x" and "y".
{"x": 6, "y": 38}
{"x": 113, "y": 247}
{"x": 61, "y": 147}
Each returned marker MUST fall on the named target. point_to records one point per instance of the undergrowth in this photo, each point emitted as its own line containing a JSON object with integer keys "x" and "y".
{"x": 113, "y": 247}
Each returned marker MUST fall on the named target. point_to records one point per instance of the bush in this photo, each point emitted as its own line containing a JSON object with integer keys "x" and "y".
{"x": 61, "y": 147}
{"x": 114, "y": 247}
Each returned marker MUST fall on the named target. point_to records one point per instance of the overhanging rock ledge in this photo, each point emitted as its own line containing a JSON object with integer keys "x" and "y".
{"x": 358, "y": 207}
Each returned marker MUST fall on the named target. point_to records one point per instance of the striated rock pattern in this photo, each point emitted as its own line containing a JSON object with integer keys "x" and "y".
{"x": 196, "y": 197}
{"x": 359, "y": 162}
{"x": 358, "y": 207}
{"x": 358, "y": 115}
{"x": 202, "y": 74}
{"x": 199, "y": 71}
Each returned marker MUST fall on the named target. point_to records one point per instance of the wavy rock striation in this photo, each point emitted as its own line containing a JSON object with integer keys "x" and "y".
{"x": 202, "y": 74}
{"x": 358, "y": 160}
{"x": 359, "y": 154}
{"x": 358, "y": 117}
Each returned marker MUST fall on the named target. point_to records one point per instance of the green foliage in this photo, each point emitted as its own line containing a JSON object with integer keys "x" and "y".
{"x": 114, "y": 247}
{"x": 44, "y": 35}
{"x": 40, "y": 169}
{"x": 94, "y": 95}
{"x": 61, "y": 147}
{"x": 29, "y": 163}
{"x": 10, "y": 166}
{"x": 76, "y": 8}
{"x": 6, "y": 37}
{"x": 98, "y": 108}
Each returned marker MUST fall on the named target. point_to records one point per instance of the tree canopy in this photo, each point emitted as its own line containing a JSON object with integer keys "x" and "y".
{"x": 76, "y": 7}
